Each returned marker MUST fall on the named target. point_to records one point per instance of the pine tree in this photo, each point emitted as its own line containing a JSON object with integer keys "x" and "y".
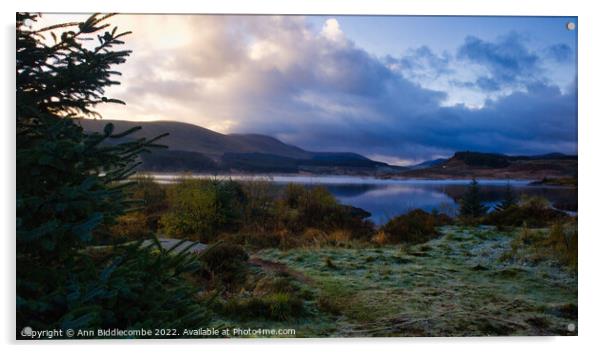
{"x": 508, "y": 199}
{"x": 471, "y": 205}
{"x": 70, "y": 182}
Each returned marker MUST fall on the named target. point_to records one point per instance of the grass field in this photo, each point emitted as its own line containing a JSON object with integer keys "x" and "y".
{"x": 467, "y": 282}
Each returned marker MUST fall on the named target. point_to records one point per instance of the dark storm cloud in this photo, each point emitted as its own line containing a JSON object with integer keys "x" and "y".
{"x": 508, "y": 59}
{"x": 540, "y": 120}
{"x": 422, "y": 63}
{"x": 315, "y": 88}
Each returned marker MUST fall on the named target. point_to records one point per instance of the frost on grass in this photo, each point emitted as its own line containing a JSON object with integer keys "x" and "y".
{"x": 466, "y": 282}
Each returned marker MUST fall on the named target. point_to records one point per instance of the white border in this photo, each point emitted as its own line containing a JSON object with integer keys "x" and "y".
{"x": 590, "y": 150}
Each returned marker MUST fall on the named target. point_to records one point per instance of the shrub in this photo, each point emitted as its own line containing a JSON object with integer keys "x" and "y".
{"x": 225, "y": 265}
{"x": 152, "y": 197}
{"x": 131, "y": 226}
{"x": 259, "y": 207}
{"x": 253, "y": 240}
{"x": 341, "y": 237}
{"x": 316, "y": 207}
{"x": 352, "y": 221}
{"x": 563, "y": 241}
{"x": 314, "y": 236}
{"x": 417, "y": 226}
{"x": 200, "y": 208}
{"x": 318, "y": 237}
{"x": 559, "y": 243}
{"x": 284, "y": 306}
{"x": 534, "y": 202}
{"x": 275, "y": 284}
{"x": 303, "y": 208}
{"x": 441, "y": 219}
{"x": 275, "y": 306}
{"x": 381, "y": 238}
{"x": 329, "y": 305}
{"x": 526, "y": 238}
{"x": 531, "y": 212}
{"x": 293, "y": 194}
{"x": 141, "y": 222}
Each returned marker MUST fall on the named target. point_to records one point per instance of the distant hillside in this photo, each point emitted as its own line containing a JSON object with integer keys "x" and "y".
{"x": 498, "y": 166}
{"x": 192, "y": 138}
{"x": 196, "y": 149}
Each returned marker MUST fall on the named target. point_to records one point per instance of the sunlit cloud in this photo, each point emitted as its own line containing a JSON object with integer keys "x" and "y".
{"x": 313, "y": 86}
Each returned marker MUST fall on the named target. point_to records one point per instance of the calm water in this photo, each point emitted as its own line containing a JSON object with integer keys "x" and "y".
{"x": 385, "y": 199}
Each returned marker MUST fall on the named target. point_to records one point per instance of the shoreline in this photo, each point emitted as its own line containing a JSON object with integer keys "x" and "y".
{"x": 345, "y": 179}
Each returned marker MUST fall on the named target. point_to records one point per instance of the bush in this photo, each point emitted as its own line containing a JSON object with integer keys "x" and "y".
{"x": 201, "y": 208}
{"x": 417, "y": 226}
{"x": 303, "y": 208}
{"x": 293, "y": 194}
{"x": 532, "y": 212}
{"x": 274, "y": 306}
{"x": 559, "y": 243}
{"x": 131, "y": 226}
{"x": 255, "y": 240}
{"x": 381, "y": 238}
{"x": 441, "y": 219}
{"x": 259, "y": 213}
{"x": 141, "y": 222}
{"x": 284, "y": 306}
{"x": 281, "y": 283}
{"x": 152, "y": 197}
{"x": 329, "y": 305}
{"x": 563, "y": 241}
{"x": 225, "y": 265}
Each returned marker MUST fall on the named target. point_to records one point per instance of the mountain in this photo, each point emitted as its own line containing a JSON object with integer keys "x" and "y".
{"x": 196, "y": 149}
{"x": 498, "y": 166}
{"x": 193, "y": 138}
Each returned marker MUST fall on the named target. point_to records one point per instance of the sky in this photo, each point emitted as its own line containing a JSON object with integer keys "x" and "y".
{"x": 395, "y": 89}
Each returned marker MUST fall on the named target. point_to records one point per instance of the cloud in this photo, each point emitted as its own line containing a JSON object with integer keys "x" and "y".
{"x": 421, "y": 64}
{"x": 487, "y": 84}
{"x": 508, "y": 60}
{"x": 314, "y": 87}
{"x": 332, "y": 31}
{"x": 560, "y": 52}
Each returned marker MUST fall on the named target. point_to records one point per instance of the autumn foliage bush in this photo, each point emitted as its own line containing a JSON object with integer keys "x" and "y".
{"x": 530, "y": 211}
{"x": 416, "y": 226}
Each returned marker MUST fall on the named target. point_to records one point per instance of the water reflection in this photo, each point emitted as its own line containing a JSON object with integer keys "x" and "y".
{"x": 387, "y": 201}
{"x": 387, "y": 198}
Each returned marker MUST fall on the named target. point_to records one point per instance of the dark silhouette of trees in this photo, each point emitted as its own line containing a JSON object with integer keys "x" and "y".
{"x": 470, "y": 204}
{"x": 508, "y": 199}
{"x": 70, "y": 183}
